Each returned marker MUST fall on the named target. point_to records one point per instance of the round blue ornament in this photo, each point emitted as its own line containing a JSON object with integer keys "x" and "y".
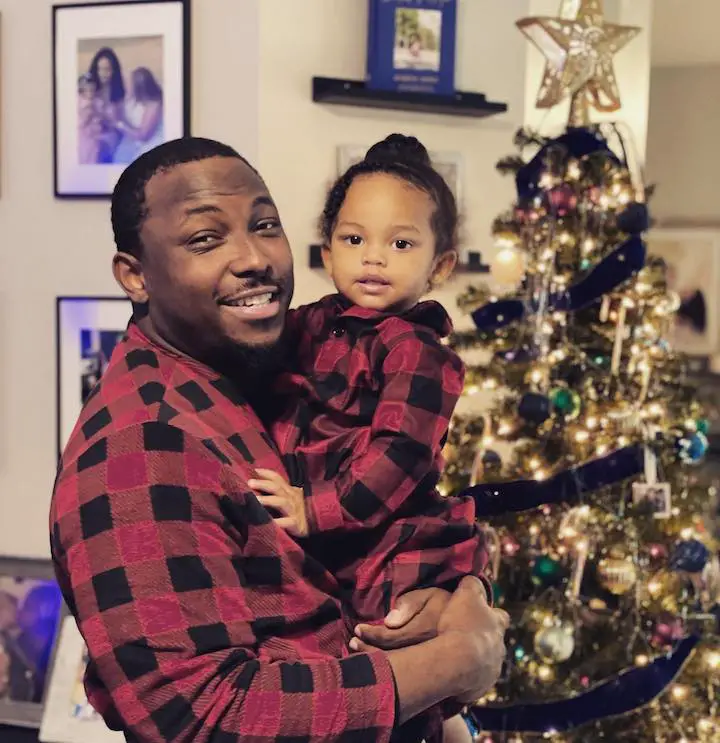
{"x": 693, "y": 447}
{"x": 690, "y": 556}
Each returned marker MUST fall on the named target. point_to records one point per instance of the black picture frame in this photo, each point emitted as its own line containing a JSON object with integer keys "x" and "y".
{"x": 29, "y": 585}
{"x": 74, "y": 314}
{"x": 104, "y": 175}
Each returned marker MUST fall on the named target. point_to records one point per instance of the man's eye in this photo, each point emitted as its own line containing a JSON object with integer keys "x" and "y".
{"x": 267, "y": 224}
{"x": 204, "y": 241}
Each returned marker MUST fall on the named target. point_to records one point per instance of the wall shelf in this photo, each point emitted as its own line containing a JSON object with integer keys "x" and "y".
{"x": 341, "y": 92}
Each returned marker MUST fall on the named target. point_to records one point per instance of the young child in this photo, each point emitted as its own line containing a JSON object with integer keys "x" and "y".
{"x": 374, "y": 389}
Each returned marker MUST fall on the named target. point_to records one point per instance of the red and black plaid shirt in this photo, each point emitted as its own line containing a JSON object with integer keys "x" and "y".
{"x": 205, "y": 623}
{"x": 368, "y": 407}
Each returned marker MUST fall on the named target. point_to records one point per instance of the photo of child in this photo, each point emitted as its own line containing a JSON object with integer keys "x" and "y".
{"x": 29, "y": 615}
{"x": 417, "y": 39}
{"x": 120, "y": 98}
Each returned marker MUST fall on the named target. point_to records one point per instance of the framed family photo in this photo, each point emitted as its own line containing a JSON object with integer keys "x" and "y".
{"x": 68, "y": 716}
{"x": 448, "y": 164}
{"x": 87, "y": 331}
{"x": 692, "y": 257}
{"x": 31, "y": 608}
{"x": 121, "y": 86}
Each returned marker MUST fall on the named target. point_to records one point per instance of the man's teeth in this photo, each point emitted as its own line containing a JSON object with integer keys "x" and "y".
{"x": 257, "y": 301}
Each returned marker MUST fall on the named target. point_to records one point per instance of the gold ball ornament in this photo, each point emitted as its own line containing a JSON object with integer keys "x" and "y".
{"x": 617, "y": 574}
{"x": 556, "y": 643}
{"x": 508, "y": 266}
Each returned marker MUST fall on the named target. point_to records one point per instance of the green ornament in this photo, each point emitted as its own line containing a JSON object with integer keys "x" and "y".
{"x": 585, "y": 263}
{"x": 546, "y": 571}
{"x": 566, "y": 402}
{"x": 703, "y": 425}
{"x": 498, "y": 594}
{"x": 519, "y": 652}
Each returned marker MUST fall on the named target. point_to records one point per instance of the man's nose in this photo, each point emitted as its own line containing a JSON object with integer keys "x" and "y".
{"x": 249, "y": 257}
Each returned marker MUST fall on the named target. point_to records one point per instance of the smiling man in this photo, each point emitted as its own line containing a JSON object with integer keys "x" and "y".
{"x": 205, "y": 622}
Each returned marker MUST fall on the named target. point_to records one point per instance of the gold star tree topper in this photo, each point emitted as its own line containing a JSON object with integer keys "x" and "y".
{"x": 579, "y": 47}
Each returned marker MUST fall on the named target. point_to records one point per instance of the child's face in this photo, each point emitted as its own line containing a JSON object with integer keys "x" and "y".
{"x": 87, "y": 90}
{"x": 382, "y": 251}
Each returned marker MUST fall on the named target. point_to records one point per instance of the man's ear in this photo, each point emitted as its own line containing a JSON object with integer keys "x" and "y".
{"x": 128, "y": 272}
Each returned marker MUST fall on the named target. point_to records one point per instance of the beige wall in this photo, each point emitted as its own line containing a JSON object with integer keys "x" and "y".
{"x": 261, "y": 104}
{"x": 683, "y": 144}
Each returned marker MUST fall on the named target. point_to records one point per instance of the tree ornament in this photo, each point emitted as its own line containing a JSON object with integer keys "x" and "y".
{"x": 534, "y": 408}
{"x": 689, "y": 556}
{"x": 508, "y": 266}
{"x": 555, "y": 643}
{"x": 703, "y": 426}
{"x": 617, "y": 572}
{"x": 634, "y": 219}
{"x": 546, "y": 571}
{"x": 666, "y": 630}
{"x": 579, "y": 49}
{"x": 566, "y": 402}
{"x": 692, "y": 448}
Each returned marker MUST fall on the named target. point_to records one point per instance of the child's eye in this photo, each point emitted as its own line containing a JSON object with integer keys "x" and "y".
{"x": 402, "y": 244}
{"x": 353, "y": 240}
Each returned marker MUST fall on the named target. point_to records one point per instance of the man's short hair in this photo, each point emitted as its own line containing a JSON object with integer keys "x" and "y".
{"x": 128, "y": 208}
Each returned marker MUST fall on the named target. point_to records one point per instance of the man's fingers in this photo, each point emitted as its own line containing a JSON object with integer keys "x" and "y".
{"x": 407, "y": 607}
{"x": 503, "y": 618}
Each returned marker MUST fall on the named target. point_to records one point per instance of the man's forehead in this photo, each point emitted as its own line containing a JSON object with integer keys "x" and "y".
{"x": 201, "y": 179}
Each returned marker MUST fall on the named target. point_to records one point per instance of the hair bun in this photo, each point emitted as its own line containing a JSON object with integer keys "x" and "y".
{"x": 398, "y": 148}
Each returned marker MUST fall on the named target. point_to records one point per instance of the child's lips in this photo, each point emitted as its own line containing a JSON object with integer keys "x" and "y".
{"x": 374, "y": 284}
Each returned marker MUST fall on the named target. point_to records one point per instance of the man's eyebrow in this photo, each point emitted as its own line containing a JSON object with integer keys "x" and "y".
{"x": 201, "y": 209}
{"x": 263, "y": 201}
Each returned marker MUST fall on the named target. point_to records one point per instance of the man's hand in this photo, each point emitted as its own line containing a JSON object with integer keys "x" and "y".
{"x": 413, "y": 620}
{"x": 283, "y": 498}
{"x": 468, "y": 616}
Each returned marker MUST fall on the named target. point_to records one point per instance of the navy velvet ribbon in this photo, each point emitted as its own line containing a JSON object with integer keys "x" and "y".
{"x": 614, "y": 270}
{"x": 493, "y": 499}
{"x": 626, "y": 692}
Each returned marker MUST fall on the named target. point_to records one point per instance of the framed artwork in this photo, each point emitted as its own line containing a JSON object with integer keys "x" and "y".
{"x": 121, "y": 86}
{"x": 68, "y": 716}
{"x": 693, "y": 271}
{"x": 31, "y": 607}
{"x": 448, "y": 164}
{"x": 87, "y": 331}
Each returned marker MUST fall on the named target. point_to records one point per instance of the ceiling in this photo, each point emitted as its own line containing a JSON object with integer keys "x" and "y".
{"x": 686, "y": 33}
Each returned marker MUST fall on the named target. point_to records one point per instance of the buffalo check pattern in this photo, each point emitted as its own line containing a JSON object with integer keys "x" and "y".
{"x": 205, "y": 623}
{"x": 367, "y": 410}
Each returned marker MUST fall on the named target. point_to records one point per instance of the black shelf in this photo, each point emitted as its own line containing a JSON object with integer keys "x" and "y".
{"x": 355, "y": 93}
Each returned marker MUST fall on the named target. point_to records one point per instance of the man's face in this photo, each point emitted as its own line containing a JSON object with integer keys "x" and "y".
{"x": 216, "y": 268}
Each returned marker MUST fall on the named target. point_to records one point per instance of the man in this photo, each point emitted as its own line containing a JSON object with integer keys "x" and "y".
{"x": 204, "y": 621}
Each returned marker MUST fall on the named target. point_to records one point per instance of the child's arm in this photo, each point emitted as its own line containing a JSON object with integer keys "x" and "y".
{"x": 422, "y": 381}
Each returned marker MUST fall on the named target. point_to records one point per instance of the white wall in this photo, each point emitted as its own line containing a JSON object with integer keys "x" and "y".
{"x": 52, "y": 247}
{"x": 683, "y": 147}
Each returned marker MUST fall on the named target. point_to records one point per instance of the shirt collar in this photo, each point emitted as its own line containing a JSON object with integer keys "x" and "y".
{"x": 431, "y": 314}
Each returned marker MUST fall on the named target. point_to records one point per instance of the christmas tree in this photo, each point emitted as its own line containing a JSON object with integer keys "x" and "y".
{"x": 585, "y": 469}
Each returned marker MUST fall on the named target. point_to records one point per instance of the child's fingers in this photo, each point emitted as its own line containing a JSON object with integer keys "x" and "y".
{"x": 270, "y": 475}
{"x": 266, "y": 486}
{"x": 272, "y": 501}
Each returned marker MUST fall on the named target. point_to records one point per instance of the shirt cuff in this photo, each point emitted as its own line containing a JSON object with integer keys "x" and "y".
{"x": 323, "y": 509}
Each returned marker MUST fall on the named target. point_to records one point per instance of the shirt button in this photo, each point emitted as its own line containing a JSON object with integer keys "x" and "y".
{"x": 338, "y": 332}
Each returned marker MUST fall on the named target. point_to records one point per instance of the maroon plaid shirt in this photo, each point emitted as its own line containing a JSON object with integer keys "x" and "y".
{"x": 205, "y": 623}
{"x": 367, "y": 410}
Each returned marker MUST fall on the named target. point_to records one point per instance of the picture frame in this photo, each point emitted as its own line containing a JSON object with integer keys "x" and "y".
{"x": 31, "y": 610}
{"x": 449, "y": 164}
{"x": 87, "y": 330}
{"x": 121, "y": 86}
{"x": 67, "y": 714}
{"x": 693, "y": 260}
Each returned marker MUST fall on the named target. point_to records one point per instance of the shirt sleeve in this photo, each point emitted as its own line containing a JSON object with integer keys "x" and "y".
{"x": 176, "y": 583}
{"x": 421, "y": 383}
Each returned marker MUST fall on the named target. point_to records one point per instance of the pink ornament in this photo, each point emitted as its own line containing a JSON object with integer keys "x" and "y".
{"x": 668, "y": 630}
{"x": 510, "y": 546}
{"x": 657, "y": 552}
{"x": 585, "y": 682}
{"x": 562, "y": 199}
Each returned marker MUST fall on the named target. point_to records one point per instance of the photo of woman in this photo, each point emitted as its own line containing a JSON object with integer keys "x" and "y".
{"x": 120, "y": 99}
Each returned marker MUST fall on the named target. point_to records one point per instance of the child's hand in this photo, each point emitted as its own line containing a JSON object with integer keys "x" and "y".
{"x": 284, "y": 498}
